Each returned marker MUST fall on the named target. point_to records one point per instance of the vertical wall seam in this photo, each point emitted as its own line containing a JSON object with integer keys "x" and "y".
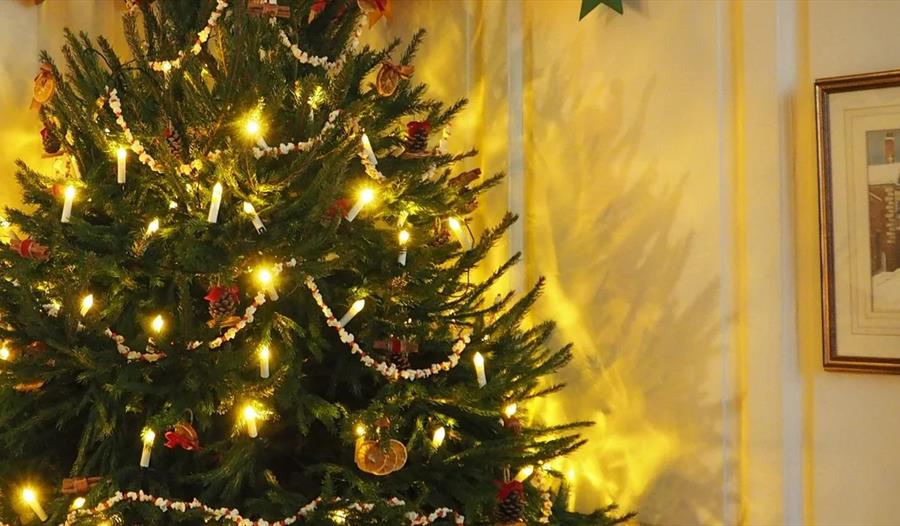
{"x": 515, "y": 43}
{"x": 791, "y": 386}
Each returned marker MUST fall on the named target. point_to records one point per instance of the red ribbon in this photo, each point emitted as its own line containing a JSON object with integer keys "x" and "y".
{"x": 174, "y": 440}
{"x": 339, "y": 208}
{"x": 216, "y": 293}
{"x": 506, "y": 488}
{"x": 415, "y": 127}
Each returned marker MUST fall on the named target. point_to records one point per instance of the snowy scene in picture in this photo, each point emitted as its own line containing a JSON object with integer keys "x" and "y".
{"x": 883, "y": 172}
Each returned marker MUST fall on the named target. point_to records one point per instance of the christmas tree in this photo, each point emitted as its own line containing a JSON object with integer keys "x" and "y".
{"x": 246, "y": 293}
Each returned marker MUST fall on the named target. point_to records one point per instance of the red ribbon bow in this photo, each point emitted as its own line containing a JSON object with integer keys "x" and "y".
{"x": 506, "y": 488}
{"x": 174, "y": 440}
{"x": 216, "y": 293}
{"x": 414, "y": 127}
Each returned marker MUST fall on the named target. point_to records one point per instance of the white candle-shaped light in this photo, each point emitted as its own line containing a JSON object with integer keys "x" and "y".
{"x": 524, "y": 473}
{"x": 250, "y": 416}
{"x": 214, "y": 204}
{"x": 403, "y": 238}
{"x": 268, "y": 283}
{"x": 459, "y": 233}
{"x": 152, "y": 228}
{"x": 5, "y": 355}
{"x": 367, "y": 148}
{"x": 352, "y": 311}
{"x": 157, "y": 324}
{"x": 254, "y": 217}
{"x": 67, "y": 204}
{"x": 30, "y": 497}
{"x": 78, "y": 503}
{"x": 479, "y": 369}
{"x": 438, "y": 438}
{"x": 86, "y": 303}
{"x": 121, "y": 155}
{"x": 147, "y": 437}
{"x": 510, "y": 410}
{"x": 365, "y": 197}
{"x": 252, "y": 127}
{"x": 442, "y": 145}
{"x": 570, "y": 480}
{"x": 264, "y": 355}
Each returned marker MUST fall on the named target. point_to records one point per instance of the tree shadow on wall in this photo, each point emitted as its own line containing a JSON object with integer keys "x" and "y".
{"x": 603, "y": 226}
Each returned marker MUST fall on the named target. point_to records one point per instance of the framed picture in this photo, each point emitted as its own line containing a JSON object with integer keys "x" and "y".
{"x": 858, "y": 123}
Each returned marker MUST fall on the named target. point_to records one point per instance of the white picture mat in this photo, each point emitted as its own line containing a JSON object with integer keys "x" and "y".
{"x": 860, "y": 330}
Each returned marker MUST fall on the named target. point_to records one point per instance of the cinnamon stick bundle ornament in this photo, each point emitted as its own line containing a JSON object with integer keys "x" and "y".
{"x": 29, "y": 249}
{"x": 390, "y": 75}
{"x": 79, "y": 485}
{"x": 44, "y": 87}
{"x": 266, "y": 8}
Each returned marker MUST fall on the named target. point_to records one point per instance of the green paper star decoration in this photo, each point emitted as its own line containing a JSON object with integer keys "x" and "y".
{"x": 589, "y": 5}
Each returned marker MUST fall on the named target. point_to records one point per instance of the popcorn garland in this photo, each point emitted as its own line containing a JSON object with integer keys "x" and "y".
{"x": 234, "y": 516}
{"x": 115, "y": 104}
{"x": 305, "y": 58}
{"x": 202, "y": 36}
{"x": 371, "y": 170}
{"x": 262, "y": 149}
{"x": 152, "y": 355}
{"x": 389, "y": 371}
{"x": 546, "y": 508}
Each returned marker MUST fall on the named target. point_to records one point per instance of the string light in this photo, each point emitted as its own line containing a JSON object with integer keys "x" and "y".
{"x": 250, "y": 417}
{"x": 78, "y": 503}
{"x": 524, "y": 473}
{"x": 366, "y": 196}
{"x": 121, "y": 156}
{"x": 338, "y": 516}
{"x": 157, "y": 324}
{"x": 29, "y": 495}
{"x": 458, "y": 232}
{"x": 147, "y": 437}
{"x": 266, "y": 279}
{"x": 352, "y": 312}
{"x": 67, "y": 204}
{"x": 214, "y": 203}
{"x": 252, "y": 126}
{"x": 478, "y": 359}
{"x": 360, "y": 430}
{"x": 403, "y": 239}
{"x": 152, "y": 228}
{"x": 264, "y": 355}
{"x": 254, "y": 217}
{"x": 367, "y": 148}
{"x": 5, "y": 355}
{"x": 438, "y": 438}
{"x": 510, "y": 410}
{"x": 86, "y": 303}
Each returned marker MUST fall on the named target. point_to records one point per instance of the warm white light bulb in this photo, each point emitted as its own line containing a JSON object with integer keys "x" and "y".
{"x": 366, "y": 195}
{"x": 29, "y": 495}
{"x": 78, "y": 503}
{"x": 166, "y": 66}
{"x": 403, "y": 237}
{"x": 510, "y": 410}
{"x": 250, "y": 413}
{"x": 148, "y": 436}
{"x": 86, "y": 303}
{"x": 121, "y": 153}
{"x": 438, "y": 438}
{"x": 524, "y": 473}
{"x": 4, "y": 353}
{"x": 252, "y": 127}
{"x": 157, "y": 324}
{"x": 264, "y": 276}
{"x": 248, "y": 208}
{"x": 454, "y": 224}
{"x": 153, "y": 227}
{"x": 360, "y": 430}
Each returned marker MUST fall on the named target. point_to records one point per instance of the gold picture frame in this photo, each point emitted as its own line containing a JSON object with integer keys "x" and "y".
{"x": 859, "y": 219}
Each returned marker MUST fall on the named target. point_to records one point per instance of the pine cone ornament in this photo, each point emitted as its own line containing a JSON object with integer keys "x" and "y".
{"x": 511, "y": 504}
{"x": 417, "y": 136}
{"x": 173, "y": 139}
{"x": 50, "y": 141}
{"x": 223, "y": 301}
